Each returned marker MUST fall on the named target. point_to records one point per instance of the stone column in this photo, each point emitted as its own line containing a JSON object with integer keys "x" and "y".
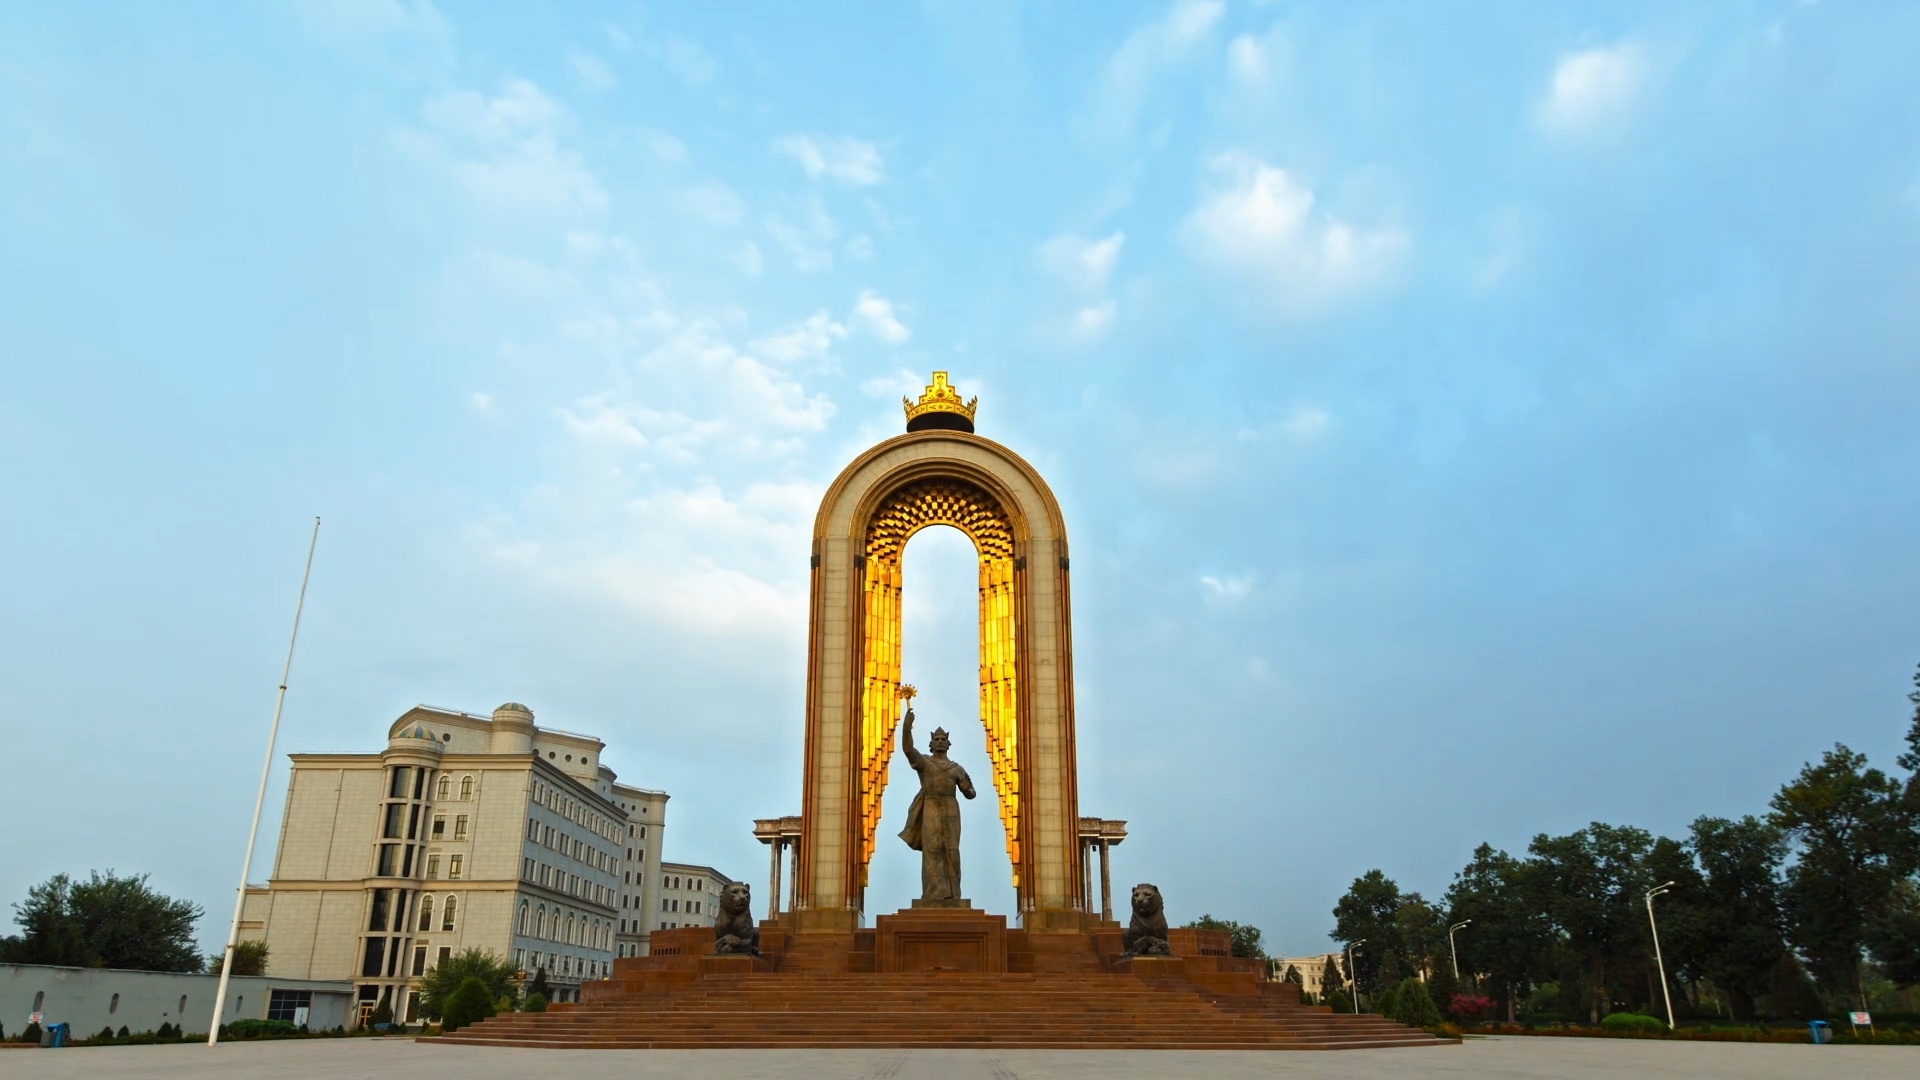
{"x": 793, "y": 867}
{"x": 1106, "y": 883}
{"x": 773, "y": 888}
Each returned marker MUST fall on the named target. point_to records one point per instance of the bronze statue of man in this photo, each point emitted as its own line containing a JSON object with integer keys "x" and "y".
{"x": 933, "y": 821}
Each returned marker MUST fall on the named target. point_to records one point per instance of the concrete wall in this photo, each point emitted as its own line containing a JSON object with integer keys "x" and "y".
{"x": 84, "y": 998}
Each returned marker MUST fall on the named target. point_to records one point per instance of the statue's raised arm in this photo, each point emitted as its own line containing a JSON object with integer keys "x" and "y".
{"x": 914, "y": 757}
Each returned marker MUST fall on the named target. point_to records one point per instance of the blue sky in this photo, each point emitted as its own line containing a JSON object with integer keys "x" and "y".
{"x": 1471, "y": 420}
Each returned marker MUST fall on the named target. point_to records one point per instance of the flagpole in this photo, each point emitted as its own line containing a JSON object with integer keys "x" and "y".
{"x": 260, "y": 800}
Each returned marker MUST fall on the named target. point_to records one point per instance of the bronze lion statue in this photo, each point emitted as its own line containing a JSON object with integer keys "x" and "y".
{"x": 734, "y": 931}
{"x": 1146, "y": 935}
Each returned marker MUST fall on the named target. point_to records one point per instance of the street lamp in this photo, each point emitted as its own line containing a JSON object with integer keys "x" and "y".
{"x": 1453, "y": 952}
{"x": 1352, "y": 981}
{"x": 1657, "y": 959}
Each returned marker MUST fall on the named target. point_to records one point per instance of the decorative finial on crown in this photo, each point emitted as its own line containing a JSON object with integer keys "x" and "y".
{"x": 940, "y": 408}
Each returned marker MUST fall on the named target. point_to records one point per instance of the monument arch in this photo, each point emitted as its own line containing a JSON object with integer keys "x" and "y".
{"x": 939, "y": 473}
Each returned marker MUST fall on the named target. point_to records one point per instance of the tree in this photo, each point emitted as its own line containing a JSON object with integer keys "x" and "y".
{"x": 1292, "y": 975}
{"x": 1853, "y": 837}
{"x": 1413, "y": 1006}
{"x": 1332, "y": 979}
{"x": 1741, "y": 931}
{"x": 1894, "y": 937}
{"x": 1245, "y": 936}
{"x": 469, "y": 1003}
{"x": 495, "y": 976}
{"x": 1367, "y": 913}
{"x": 1508, "y": 939}
{"x": 106, "y": 921}
{"x": 1791, "y": 995}
{"x": 1591, "y": 883}
{"x": 249, "y": 958}
{"x": 382, "y": 1013}
{"x": 539, "y": 988}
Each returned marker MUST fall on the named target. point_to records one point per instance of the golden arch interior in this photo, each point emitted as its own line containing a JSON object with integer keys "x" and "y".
{"x": 975, "y": 512}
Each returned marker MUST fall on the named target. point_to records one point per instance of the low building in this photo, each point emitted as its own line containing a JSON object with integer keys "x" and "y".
{"x": 1311, "y": 968}
{"x": 689, "y": 895}
{"x": 90, "y": 999}
{"x": 467, "y": 831}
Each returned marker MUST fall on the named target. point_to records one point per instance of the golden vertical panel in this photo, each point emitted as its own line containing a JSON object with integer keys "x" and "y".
{"x": 975, "y": 512}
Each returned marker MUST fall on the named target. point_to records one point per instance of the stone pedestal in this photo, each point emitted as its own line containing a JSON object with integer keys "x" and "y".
{"x": 940, "y": 937}
{"x": 1152, "y": 967}
{"x": 733, "y": 964}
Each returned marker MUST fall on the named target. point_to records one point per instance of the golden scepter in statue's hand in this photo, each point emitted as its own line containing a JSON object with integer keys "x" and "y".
{"x": 907, "y": 694}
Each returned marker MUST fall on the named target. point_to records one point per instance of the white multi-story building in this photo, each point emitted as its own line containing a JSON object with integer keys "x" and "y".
{"x": 689, "y": 895}
{"x": 465, "y": 832}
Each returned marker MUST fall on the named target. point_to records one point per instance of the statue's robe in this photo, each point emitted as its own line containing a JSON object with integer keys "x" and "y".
{"x": 933, "y": 825}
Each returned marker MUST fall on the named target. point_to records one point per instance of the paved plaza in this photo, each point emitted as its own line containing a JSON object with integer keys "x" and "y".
{"x": 398, "y": 1059}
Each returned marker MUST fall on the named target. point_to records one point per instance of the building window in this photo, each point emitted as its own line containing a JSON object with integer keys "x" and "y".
{"x": 426, "y": 914}
{"x": 445, "y": 786}
{"x": 398, "y": 789}
{"x": 453, "y": 867}
{"x": 466, "y": 789}
{"x": 396, "y": 820}
{"x": 389, "y": 860}
{"x": 439, "y": 826}
{"x": 445, "y": 952}
{"x": 524, "y": 912}
{"x": 419, "y": 960}
{"x": 282, "y": 1004}
{"x": 447, "y": 910}
{"x": 433, "y": 867}
{"x": 569, "y": 938}
{"x": 540, "y": 921}
{"x": 460, "y": 827}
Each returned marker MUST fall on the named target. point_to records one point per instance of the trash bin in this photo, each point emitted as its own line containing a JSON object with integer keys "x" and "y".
{"x": 57, "y": 1035}
{"x": 1822, "y": 1031}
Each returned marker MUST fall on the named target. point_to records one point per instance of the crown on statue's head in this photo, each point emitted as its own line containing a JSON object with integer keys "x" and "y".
{"x": 939, "y": 733}
{"x": 940, "y": 407}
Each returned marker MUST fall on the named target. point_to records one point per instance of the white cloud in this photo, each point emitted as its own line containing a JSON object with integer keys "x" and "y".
{"x": 748, "y": 260}
{"x": 690, "y": 63}
{"x": 809, "y": 340}
{"x": 1591, "y": 88}
{"x": 1094, "y": 319}
{"x": 618, "y": 38}
{"x": 1225, "y": 591}
{"x": 506, "y": 151}
{"x": 1305, "y": 424}
{"x": 874, "y": 314}
{"x": 593, "y": 71}
{"x": 1246, "y": 59}
{"x": 901, "y": 383}
{"x": 1084, "y": 265}
{"x": 850, "y": 160}
{"x": 1256, "y": 220}
{"x": 809, "y": 244}
{"x": 715, "y": 202}
{"x": 1150, "y": 50}
{"x": 860, "y": 247}
{"x": 481, "y": 403}
{"x": 664, "y": 146}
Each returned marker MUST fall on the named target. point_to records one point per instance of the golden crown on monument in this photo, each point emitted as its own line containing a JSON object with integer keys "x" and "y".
{"x": 940, "y": 397}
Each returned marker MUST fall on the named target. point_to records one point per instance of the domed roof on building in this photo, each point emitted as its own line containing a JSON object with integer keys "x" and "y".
{"x": 514, "y": 706}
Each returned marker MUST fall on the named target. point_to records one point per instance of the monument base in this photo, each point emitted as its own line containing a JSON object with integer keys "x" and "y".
{"x": 940, "y": 935}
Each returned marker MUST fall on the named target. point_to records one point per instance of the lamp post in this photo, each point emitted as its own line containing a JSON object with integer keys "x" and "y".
{"x": 1453, "y": 952}
{"x": 1352, "y": 980}
{"x": 1659, "y": 961}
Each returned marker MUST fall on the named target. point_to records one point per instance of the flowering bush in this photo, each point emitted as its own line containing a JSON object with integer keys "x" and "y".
{"x": 1470, "y": 1007}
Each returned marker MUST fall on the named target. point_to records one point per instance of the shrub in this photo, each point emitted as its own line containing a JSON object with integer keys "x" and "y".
{"x": 122, "y": 1033}
{"x": 382, "y": 1014}
{"x": 1387, "y": 1002}
{"x": 535, "y": 1003}
{"x": 256, "y": 1029}
{"x": 469, "y": 1004}
{"x": 1470, "y": 1007}
{"x": 1337, "y": 1000}
{"x": 1413, "y": 1006}
{"x": 106, "y": 1035}
{"x": 30, "y": 1034}
{"x": 1636, "y": 1023}
{"x": 165, "y": 1032}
